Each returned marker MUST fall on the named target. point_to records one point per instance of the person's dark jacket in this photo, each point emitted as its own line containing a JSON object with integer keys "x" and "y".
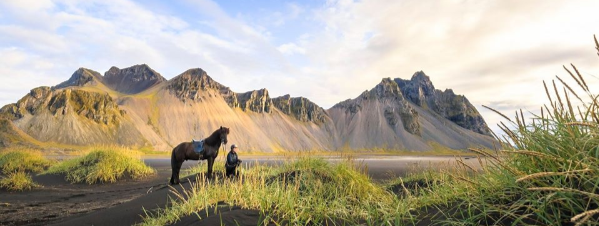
{"x": 232, "y": 160}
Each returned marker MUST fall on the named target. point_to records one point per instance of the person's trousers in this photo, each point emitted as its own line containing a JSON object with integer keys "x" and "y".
{"x": 231, "y": 171}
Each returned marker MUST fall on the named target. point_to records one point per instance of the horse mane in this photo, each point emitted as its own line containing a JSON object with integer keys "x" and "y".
{"x": 213, "y": 139}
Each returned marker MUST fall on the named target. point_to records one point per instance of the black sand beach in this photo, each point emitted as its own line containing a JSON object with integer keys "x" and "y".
{"x": 124, "y": 203}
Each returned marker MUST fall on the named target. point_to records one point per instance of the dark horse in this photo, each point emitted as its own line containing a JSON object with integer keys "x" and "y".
{"x": 184, "y": 151}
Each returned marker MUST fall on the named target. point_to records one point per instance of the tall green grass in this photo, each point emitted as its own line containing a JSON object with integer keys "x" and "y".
{"x": 17, "y": 181}
{"x": 15, "y": 166}
{"x": 103, "y": 165}
{"x": 304, "y": 192}
{"x": 23, "y": 161}
{"x": 549, "y": 171}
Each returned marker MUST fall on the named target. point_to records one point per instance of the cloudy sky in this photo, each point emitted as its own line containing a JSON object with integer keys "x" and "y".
{"x": 496, "y": 53}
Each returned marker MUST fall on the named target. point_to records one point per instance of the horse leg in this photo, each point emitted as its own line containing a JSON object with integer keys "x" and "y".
{"x": 176, "y": 167}
{"x": 210, "y": 164}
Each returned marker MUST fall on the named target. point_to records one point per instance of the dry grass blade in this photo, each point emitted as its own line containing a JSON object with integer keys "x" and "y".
{"x": 585, "y": 215}
{"x": 580, "y": 76}
{"x": 548, "y": 95}
{"x": 559, "y": 99}
{"x": 584, "y": 220}
{"x": 499, "y": 113}
{"x": 554, "y": 189}
{"x": 462, "y": 179}
{"x": 569, "y": 88}
{"x": 546, "y": 174}
{"x": 408, "y": 193}
{"x": 465, "y": 165}
{"x": 531, "y": 153}
{"x": 522, "y": 118}
{"x": 574, "y": 77}
{"x": 581, "y": 124}
{"x": 480, "y": 152}
{"x": 572, "y": 114}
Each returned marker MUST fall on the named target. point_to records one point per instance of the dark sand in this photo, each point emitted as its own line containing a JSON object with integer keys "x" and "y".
{"x": 123, "y": 203}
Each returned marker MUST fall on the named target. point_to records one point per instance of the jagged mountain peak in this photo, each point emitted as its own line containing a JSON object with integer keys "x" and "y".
{"x": 420, "y": 75}
{"x": 80, "y": 77}
{"x": 300, "y": 108}
{"x": 421, "y": 81}
{"x": 387, "y": 88}
{"x": 190, "y": 84}
{"x": 255, "y": 100}
{"x": 131, "y": 80}
{"x": 456, "y": 108}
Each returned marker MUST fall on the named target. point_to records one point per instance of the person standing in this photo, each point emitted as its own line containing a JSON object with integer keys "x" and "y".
{"x": 232, "y": 162}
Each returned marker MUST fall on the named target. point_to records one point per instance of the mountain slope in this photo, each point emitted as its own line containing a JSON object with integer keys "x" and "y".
{"x": 137, "y": 107}
{"x": 384, "y": 117}
{"x": 72, "y": 116}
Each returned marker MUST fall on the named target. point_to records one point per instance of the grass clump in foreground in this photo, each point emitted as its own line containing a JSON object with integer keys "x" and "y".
{"x": 103, "y": 165}
{"x": 306, "y": 191}
{"x": 23, "y": 161}
{"x": 15, "y": 166}
{"x": 549, "y": 172}
{"x": 17, "y": 181}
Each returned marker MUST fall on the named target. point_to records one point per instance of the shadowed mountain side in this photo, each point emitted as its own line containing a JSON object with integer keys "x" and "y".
{"x": 456, "y": 108}
{"x": 133, "y": 79}
{"x": 81, "y": 77}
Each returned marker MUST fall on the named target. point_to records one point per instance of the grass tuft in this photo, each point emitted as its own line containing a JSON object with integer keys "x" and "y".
{"x": 548, "y": 173}
{"x": 17, "y": 181}
{"x": 105, "y": 165}
{"x": 23, "y": 161}
{"x": 307, "y": 191}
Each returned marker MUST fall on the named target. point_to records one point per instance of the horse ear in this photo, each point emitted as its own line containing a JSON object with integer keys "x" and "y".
{"x": 221, "y": 127}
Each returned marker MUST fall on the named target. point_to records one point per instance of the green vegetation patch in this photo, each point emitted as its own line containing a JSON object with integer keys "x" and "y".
{"x": 548, "y": 173}
{"x": 17, "y": 181}
{"x": 23, "y": 161}
{"x": 307, "y": 191}
{"x": 102, "y": 166}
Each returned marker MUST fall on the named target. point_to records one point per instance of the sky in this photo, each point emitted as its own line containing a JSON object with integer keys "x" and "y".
{"x": 496, "y": 53}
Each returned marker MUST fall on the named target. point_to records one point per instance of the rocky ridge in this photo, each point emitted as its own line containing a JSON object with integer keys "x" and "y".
{"x": 133, "y": 79}
{"x": 396, "y": 114}
{"x": 456, "y": 108}
{"x": 300, "y": 108}
{"x": 97, "y": 107}
{"x": 81, "y": 77}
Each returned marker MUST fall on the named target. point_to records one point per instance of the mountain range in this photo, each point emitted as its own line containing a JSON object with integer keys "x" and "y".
{"x": 138, "y": 107}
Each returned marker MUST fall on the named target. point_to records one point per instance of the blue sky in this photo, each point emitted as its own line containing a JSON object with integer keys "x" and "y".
{"x": 496, "y": 53}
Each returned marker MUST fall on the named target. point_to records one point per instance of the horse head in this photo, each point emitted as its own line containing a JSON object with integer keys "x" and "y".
{"x": 224, "y": 131}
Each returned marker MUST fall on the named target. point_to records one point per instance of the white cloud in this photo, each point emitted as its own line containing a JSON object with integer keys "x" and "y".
{"x": 290, "y": 49}
{"x": 496, "y": 53}
{"x": 490, "y": 51}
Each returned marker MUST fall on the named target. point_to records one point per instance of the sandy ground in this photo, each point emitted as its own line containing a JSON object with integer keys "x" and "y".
{"x": 124, "y": 203}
